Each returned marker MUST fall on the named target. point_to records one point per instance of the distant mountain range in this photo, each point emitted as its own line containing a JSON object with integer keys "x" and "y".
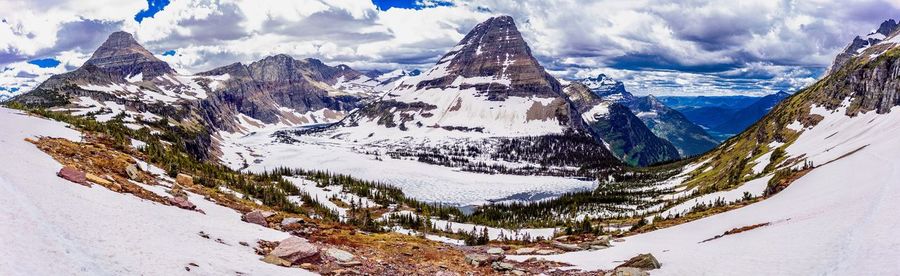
{"x": 724, "y": 116}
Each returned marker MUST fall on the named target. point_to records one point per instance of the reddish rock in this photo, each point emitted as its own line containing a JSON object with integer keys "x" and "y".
{"x": 182, "y": 202}
{"x": 72, "y": 174}
{"x": 294, "y": 250}
{"x": 256, "y": 217}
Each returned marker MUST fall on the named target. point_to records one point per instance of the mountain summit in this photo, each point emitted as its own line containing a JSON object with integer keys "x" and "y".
{"x": 489, "y": 84}
{"x": 860, "y": 43}
{"x": 123, "y": 56}
{"x": 494, "y": 59}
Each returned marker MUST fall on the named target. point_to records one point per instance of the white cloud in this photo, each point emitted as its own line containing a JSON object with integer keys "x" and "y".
{"x": 664, "y": 47}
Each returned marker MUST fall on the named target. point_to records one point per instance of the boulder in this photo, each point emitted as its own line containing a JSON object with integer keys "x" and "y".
{"x": 339, "y": 255}
{"x": 545, "y": 252}
{"x": 182, "y": 202}
{"x": 289, "y": 221}
{"x": 502, "y": 266}
{"x": 601, "y": 240}
{"x": 272, "y": 259}
{"x": 133, "y": 172}
{"x": 184, "y": 180}
{"x": 566, "y": 246}
{"x": 294, "y": 250}
{"x": 526, "y": 251}
{"x": 97, "y": 179}
{"x": 495, "y": 251}
{"x": 478, "y": 259}
{"x": 256, "y": 217}
{"x": 642, "y": 261}
{"x": 72, "y": 174}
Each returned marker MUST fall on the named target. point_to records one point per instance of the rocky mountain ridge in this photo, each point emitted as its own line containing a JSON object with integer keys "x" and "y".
{"x": 620, "y": 130}
{"x": 664, "y": 122}
{"x": 861, "y": 43}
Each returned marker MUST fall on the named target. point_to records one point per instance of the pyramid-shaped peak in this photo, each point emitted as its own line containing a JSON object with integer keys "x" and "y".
{"x": 121, "y": 43}
{"x": 494, "y": 30}
{"x": 120, "y": 38}
{"x": 493, "y": 50}
{"x": 122, "y": 55}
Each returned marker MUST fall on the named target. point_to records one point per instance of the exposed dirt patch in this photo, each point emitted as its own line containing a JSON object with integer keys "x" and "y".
{"x": 736, "y": 231}
{"x": 541, "y": 112}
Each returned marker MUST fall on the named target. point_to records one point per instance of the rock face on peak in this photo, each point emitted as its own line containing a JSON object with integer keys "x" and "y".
{"x": 608, "y": 88}
{"x": 281, "y": 90}
{"x": 123, "y": 56}
{"x": 494, "y": 59}
{"x": 861, "y": 43}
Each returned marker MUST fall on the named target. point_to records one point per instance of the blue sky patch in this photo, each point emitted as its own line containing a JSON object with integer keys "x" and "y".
{"x": 45, "y": 62}
{"x": 169, "y": 53}
{"x": 408, "y": 4}
{"x": 154, "y": 7}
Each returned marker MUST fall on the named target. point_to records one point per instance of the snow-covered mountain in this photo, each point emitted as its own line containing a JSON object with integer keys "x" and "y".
{"x": 861, "y": 43}
{"x": 121, "y": 71}
{"x": 487, "y": 106}
{"x": 122, "y": 77}
{"x": 623, "y": 132}
{"x": 607, "y": 88}
{"x": 487, "y": 85}
{"x": 282, "y": 91}
{"x": 666, "y": 123}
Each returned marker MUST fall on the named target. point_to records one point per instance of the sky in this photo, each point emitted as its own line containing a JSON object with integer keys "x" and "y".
{"x": 662, "y": 47}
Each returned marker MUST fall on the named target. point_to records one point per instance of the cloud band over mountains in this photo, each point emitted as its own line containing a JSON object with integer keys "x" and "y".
{"x": 659, "y": 47}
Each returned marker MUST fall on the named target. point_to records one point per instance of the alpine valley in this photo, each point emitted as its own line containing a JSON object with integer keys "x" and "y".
{"x": 483, "y": 164}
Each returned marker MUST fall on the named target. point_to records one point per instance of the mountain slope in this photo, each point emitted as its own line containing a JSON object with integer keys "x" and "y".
{"x": 280, "y": 90}
{"x": 861, "y": 43}
{"x": 689, "y": 138}
{"x": 623, "y": 132}
{"x": 664, "y": 122}
{"x": 93, "y": 230}
{"x": 823, "y": 162}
